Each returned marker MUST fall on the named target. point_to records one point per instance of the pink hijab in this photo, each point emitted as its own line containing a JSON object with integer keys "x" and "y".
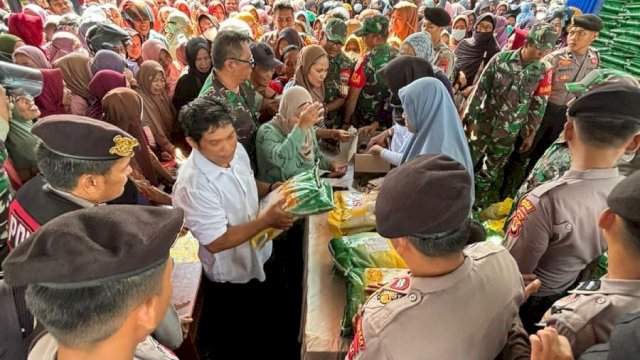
{"x": 36, "y": 55}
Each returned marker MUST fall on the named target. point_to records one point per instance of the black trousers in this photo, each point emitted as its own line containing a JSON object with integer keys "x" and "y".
{"x": 550, "y": 128}
{"x": 533, "y": 309}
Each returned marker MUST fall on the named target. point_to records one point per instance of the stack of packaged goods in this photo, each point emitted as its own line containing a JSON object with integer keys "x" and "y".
{"x": 618, "y": 42}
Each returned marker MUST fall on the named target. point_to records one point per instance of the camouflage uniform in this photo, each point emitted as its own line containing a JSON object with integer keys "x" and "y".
{"x": 366, "y": 76}
{"x": 514, "y": 97}
{"x": 245, "y": 108}
{"x": 340, "y": 68}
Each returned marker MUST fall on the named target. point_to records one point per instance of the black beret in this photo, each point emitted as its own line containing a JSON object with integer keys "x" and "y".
{"x": 589, "y": 22}
{"x": 428, "y": 195}
{"x": 88, "y": 247}
{"x": 80, "y": 137}
{"x": 437, "y": 16}
{"x": 605, "y": 102}
{"x": 624, "y": 199}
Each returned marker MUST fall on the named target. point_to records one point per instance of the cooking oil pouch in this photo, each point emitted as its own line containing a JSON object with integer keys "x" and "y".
{"x": 353, "y": 213}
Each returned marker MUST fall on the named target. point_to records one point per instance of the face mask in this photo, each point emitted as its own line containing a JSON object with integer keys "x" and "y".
{"x": 458, "y": 34}
{"x": 482, "y": 38}
{"x": 210, "y": 34}
{"x": 509, "y": 29}
{"x": 355, "y": 56}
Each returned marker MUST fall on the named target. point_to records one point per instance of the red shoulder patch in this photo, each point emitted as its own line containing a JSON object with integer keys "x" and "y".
{"x": 400, "y": 284}
{"x": 544, "y": 87}
{"x": 358, "y": 78}
{"x": 525, "y": 208}
{"x": 357, "y": 344}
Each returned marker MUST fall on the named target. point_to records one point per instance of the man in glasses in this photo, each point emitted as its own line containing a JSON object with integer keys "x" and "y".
{"x": 230, "y": 84}
{"x": 336, "y": 85}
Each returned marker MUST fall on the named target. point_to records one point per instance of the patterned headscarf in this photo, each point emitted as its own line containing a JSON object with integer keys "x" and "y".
{"x": 422, "y": 45}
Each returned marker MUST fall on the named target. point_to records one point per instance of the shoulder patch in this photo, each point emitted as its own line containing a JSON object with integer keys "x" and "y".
{"x": 400, "y": 284}
{"x": 591, "y": 285}
{"x": 525, "y": 207}
{"x": 544, "y": 87}
{"x": 482, "y": 249}
{"x": 565, "y": 62}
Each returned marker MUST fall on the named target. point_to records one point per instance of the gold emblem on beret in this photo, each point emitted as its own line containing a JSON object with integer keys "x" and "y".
{"x": 123, "y": 146}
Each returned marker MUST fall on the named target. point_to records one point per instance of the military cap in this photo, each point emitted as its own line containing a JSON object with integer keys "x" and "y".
{"x": 336, "y": 30}
{"x": 376, "y": 24}
{"x": 428, "y": 195}
{"x": 92, "y": 246}
{"x": 263, "y": 56}
{"x": 624, "y": 199}
{"x": 601, "y": 77}
{"x": 589, "y": 22}
{"x": 83, "y": 138}
{"x": 605, "y": 102}
{"x": 543, "y": 36}
{"x": 437, "y": 16}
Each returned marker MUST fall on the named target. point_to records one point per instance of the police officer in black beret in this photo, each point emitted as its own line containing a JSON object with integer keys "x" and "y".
{"x": 435, "y": 20}
{"x": 99, "y": 281}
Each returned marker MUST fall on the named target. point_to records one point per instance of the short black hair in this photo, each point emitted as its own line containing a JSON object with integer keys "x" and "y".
{"x": 604, "y": 133}
{"x": 227, "y": 45}
{"x": 202, "y": 115}
{"x": 631, "y": 235}
{"x": 444, "y": 244}
{"x": 63, "y": 172}
{"x": 85, "y": 316}
{"x": 282, "y": 5}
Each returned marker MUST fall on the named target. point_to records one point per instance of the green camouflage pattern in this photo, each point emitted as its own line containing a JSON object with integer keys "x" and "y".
{"x": 336, "y": 30}
{"x": 244, "y": 110}
{"x": 376, "y": 24}
{"x": 600, "y": 77}
{"x": 375, "y": 93}
{"x": 543, "y": 36}
{"x": 510, "y": 96}
{"x": 339, "y": 66}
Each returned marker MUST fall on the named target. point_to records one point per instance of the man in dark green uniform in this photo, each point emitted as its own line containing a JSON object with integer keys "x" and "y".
{"x": 368, "y": 93}
{"x": 336, "y": 85}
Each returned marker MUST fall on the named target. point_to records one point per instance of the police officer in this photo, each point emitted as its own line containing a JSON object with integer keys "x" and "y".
{"x": 570, "y": 64}
{"x": 587, "y": 316}
{"x": 101, "y": 293}
{"x": 436, "y": 20}
{"x": 336, "y": 85}
{"x": 84, "y": 162}
{"x": 553, "y": 234}
{"x": 423, "y": 206}
{"x": 508, "y": 103}
{"x": 368, "y": 93}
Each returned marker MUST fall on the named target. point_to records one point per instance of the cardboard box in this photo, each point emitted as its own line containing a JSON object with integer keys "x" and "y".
{"x": 368, "y": 163}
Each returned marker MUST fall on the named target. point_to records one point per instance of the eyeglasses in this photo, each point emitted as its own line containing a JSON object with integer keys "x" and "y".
{"x": 251, "y": 62}
{"x": 334, "y": 43}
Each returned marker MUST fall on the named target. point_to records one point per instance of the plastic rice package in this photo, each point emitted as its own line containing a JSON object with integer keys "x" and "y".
{"x": 365, "y": 250}
{"x": 353, "y": 213}
{"x": 304, "y": 194}
{"x": 361, "y": 283}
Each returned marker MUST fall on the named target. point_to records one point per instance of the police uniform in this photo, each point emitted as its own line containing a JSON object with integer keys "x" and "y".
{"x": 366, "y": 76}
{"x": 567, "y": 67}
{"x": 444, "y": 58}
{"x": 424, "y": 317}
{"x": 587, "y": 316}
{"x": 427, "y": 318}
{"x": 139, "y": 239}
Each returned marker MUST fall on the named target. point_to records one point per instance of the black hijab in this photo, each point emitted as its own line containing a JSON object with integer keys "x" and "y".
{"x": 189, "y": 84}
{"x": 402, "y": 71}
{"x": 471, "y": 52}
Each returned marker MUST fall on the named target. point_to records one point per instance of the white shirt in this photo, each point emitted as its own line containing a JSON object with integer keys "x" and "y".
{"x": 214, "y": 198}
{"x": 399, "y": 142}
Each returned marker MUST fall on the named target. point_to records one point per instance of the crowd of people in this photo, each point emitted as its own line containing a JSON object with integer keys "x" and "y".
{"x": 184, "y": 114}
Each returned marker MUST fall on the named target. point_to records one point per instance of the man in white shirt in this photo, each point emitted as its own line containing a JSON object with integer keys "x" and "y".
{"x": 219, "y": 194}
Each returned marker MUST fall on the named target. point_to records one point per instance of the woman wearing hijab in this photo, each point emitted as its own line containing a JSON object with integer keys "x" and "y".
{"x": 189, "y": 84}
{"x": 155, "y": 50}
{"x": 525, "y": 14}
{"x": 29, "y": 28}
{"x": 75, "y": 69}
{"x": 458, "y": 31}
{"x": 398, "y": 73}
{"x": 8, "y": 44}
{"x": 52, "y": 99}
{"x": 302, "y": 16}
{"x": 159, "y": 114}
{"x": 286, "y": 37}
{"x": 208, "y": 26}
{"x": 216, "y": 8}
{"x": 404, "y": 20}
{"x": 20, "y": 142}
{"x": 419, "y": 44}
{"x": 177, "y": 30}
{"x": 287, "y": 144}
{"x": 103, "y": 82}
{"x": 354, "y": 48}
{"x": 248, "y": 18}
{"x": 500, "y": 31}
{"x": 473, "y": 54}
{"x": 123, "y": 108}
{"x": 289, "y": 59}
{"x": 30, "y": 56}
{"x": 33, "y": 9}
{"x": 107, "y": 60}
{"x": 63, "y": 43}
{"x": 471, "y": 21}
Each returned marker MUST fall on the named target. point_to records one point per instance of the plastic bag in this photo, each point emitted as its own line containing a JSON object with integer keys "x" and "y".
{"x": 304, "y": 194}
{"x": 366, "y": 250}
{"x": 353, "y": 213}
{"x": 361, "y": 283}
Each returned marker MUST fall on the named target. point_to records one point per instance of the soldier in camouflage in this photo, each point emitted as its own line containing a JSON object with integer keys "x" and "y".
{"x": 230, "y": 83}
{"x": 368, "y": 94}
{"x": 514, "y": 89}
{"x": 336, "y": 85}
